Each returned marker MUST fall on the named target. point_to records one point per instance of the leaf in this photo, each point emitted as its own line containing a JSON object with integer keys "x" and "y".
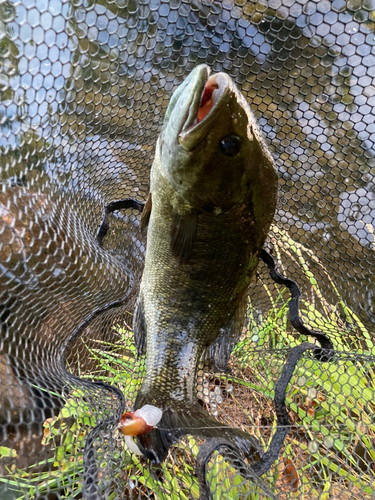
{"x": 7, "y": 452}
{"x": 289, "y": 475}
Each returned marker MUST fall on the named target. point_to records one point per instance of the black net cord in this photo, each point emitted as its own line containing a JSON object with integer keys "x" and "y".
{"x": 283, "y": 423}
{"x": 113, "y": 207}
{"x": 228, "y": 451}
{"x": 294, "y": 317}
{"x": 90, "y": 488}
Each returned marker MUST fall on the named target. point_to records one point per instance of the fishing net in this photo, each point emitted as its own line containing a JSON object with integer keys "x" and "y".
{"x": 84, "y": 85}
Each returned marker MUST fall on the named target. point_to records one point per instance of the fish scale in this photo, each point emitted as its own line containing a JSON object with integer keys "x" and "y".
{"x": 190, "y": 300}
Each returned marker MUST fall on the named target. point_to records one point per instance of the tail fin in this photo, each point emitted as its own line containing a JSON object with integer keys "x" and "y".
{"x": 179, "y": 420}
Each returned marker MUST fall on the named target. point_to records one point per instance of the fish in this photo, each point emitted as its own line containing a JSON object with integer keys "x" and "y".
{"x": 213, "y": 194}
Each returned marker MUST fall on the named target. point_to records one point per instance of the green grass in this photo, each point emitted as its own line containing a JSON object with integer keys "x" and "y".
{"x": 334, "y": 402}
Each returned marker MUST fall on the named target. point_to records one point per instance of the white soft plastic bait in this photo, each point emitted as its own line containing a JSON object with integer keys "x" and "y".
{"x": 136, "y": 423}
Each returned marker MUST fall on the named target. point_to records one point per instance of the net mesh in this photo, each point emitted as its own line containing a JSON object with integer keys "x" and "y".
{"x": 84, "y": 86}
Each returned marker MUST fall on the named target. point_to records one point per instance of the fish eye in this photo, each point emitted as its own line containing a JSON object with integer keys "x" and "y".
{"x": 230, "y": 145}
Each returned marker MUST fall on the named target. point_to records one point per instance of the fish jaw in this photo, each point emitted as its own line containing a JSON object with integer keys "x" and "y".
{"x": 184, "y": 105}
{"x": 203, "y": 112}
{"x": 195, "y": 105}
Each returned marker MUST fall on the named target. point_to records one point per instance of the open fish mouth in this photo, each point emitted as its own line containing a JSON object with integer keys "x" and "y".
{"x": 209, "y": 94}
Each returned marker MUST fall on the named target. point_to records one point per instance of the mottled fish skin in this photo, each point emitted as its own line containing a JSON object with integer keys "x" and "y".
{"x": 208, "y": 216}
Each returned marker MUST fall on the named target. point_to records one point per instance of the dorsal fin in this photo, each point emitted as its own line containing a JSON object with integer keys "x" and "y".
{"x": 184, "y": 231}
{"x": 146, "y": 213}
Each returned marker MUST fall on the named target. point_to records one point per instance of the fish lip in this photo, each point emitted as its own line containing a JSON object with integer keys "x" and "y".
{"x": 198, "y": 85}
{"x": 201, "y": 129}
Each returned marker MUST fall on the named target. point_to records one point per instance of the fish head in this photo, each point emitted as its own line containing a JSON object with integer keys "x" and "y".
{"x": 211, "y": 150}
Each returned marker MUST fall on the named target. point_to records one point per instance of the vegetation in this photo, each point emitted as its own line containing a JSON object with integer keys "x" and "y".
{"x": 331, "y": 406}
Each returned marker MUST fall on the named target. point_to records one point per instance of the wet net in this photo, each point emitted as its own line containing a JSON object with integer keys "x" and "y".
{"x": 84, "y": 86}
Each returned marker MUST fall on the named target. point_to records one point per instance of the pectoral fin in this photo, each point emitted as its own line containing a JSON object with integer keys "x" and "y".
{"x": 184, "y": 231}
{"x": 220, "y": 350}
{"x": 146, "y": 213}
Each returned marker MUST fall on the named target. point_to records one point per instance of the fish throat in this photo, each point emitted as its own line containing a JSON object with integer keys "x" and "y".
{"x": 207, "y": 102}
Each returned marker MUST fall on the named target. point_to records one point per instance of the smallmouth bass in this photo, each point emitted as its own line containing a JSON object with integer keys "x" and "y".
{"x": 212, "y": 199}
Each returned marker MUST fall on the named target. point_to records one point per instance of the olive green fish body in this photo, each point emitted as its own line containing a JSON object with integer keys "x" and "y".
{"x": 186, "y": 303}
{"x": 213, "y": 196}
